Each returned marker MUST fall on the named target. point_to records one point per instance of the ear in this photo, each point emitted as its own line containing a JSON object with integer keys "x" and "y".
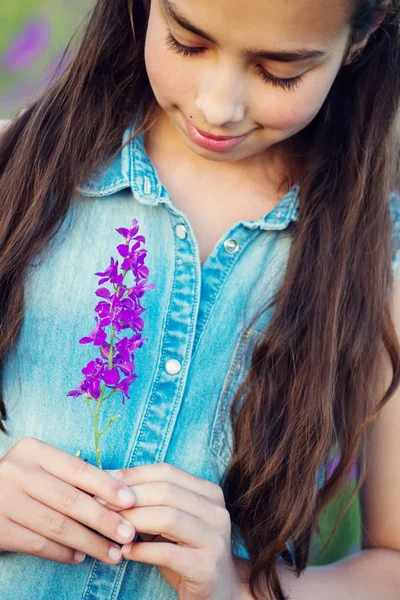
{"x": 356, "y": 50}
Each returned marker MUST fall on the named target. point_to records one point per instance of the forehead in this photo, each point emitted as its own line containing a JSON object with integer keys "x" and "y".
{"x": 288, "y": 23}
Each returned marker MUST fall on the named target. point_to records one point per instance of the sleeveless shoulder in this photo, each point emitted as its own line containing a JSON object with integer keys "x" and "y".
{"x": 394, "y": 206}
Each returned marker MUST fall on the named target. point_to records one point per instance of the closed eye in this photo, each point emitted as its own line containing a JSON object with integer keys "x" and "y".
{"x": 175, "y": 46}
{"x": 192, "y": 51}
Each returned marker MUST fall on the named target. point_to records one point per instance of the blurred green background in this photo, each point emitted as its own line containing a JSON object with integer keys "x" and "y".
{"x": 33, "y": 36}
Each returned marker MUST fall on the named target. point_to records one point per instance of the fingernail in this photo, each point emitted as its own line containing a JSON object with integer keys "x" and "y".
{"x": 114, "y": 553}
{"x": 126, "y": 548}
{"x": 100, "y": 500}
{"x": 79, "y": 556}
{"x": 125, "y": 530}
{"x": 126, "y": 496}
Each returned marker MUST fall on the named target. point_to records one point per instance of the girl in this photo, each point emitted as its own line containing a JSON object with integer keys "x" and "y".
{"x": 255, "y": 143}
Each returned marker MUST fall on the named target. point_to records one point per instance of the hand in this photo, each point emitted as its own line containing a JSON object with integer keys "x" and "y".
{"x": 45, "y": 503}
{"x": 191, "y": 526}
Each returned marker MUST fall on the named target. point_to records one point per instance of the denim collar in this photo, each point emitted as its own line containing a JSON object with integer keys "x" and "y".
{"x": 132, "y": 168}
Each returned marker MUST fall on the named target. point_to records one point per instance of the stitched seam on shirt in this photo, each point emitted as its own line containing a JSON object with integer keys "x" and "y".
{"x": 154, "y": 384}
{"x": 154, "y": 387}
{"x": 95, "y": 566}
{"x": 214, "y": 298}
{"x": 159, "y": 367}
{"x": 195, "y": 304}
{"x": 219, "y": 433}
{"x": 162, "y": 358}
{"x": 118, "y": 580}
{"x": 219, "y": 442}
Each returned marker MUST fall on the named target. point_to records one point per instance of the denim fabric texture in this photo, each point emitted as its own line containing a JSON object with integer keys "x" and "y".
{"x": 197, "y": 315}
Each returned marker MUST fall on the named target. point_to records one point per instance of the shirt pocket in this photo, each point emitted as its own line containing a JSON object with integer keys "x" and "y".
{"x": 221, "y": 439}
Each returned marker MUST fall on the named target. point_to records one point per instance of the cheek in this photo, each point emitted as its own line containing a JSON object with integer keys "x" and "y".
{"x": 157, "y": 73}
{"x": 292, "y": 111}
{"x": 168, "y": 78}
{"x": 155, "y": 66}
{"x": 294, "y": 114}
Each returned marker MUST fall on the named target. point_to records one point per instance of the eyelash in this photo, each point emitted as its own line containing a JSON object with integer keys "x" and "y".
{"x": 187, "y": 51}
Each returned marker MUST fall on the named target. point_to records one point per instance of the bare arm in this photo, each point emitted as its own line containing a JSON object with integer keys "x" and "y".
{"x": 370, "y": 575}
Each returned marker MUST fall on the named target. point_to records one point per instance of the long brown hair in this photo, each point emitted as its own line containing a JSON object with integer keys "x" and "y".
{"x": 308, "y": 391}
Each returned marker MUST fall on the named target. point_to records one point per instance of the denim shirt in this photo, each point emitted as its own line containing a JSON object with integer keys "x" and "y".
{"x": 197, "y": 316}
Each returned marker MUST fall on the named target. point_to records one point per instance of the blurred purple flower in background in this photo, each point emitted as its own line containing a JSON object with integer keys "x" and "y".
{"x": 27, "y": 45}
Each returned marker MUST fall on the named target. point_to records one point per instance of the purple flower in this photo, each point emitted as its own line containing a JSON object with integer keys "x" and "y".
{"x": 28, "y": 46}
{"x": 123, "y": 386}
{"x": 126, "y": 349}
{"x": 110, "y": 274}
{"x": 97, "y": 336}
{"x": 94, "y": 368}
{"x": 129, "y": 234}
{"x": 111, "y": 376}
{"x": 134, "y": 259}
{"x": 119, "y": 309}
{"x": 90, "y": 386}
{"x": 137, "y": 291}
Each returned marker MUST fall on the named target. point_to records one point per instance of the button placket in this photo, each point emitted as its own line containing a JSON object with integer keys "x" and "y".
{"x": 162, "y": 407}
{"x": 173, "y": 366}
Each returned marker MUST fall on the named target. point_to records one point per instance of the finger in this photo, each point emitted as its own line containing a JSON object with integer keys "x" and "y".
{"x": 168, "y": 494}
{"x": 21, "y": 539}
{"x": 83, "y": 475}
{"x": 68, "y": 500}
{"x": 61, "y": 529}
{"x": 169, "y": 473}
{"x": 172, "y": 524}
{"x": 186, "y": 562}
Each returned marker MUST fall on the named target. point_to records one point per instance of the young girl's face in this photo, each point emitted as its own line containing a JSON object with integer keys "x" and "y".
{"x": 257, "y": 70}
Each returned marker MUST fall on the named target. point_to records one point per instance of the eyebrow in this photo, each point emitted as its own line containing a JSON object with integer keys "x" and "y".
{"x": 279, "y": 56}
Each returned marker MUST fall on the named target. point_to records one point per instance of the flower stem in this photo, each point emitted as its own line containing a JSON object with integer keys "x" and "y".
{"x": 95, "y": 415}
{"x": 97, "y": 433}
{"x": 109, "y": 395}
{"x": 87, "y": 404}
{"x": 96, "y": 428}
{"x": 109, "y": 423}
{"x": 110, "y": 356}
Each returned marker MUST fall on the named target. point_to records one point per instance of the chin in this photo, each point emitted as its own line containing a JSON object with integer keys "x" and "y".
{"x": 228, "y": 156}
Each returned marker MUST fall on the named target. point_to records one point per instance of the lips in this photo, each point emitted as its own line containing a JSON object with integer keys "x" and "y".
{"x": 220, "y": 137}
{"x": 216, "y": 143}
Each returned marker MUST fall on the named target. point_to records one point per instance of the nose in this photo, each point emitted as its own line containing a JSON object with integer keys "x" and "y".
{"x": 221, "y": 97}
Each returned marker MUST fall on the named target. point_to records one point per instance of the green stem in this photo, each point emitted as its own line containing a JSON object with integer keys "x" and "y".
{"x": 109, "y": 423}
{"x": 96, "y": 428}
{"x": 101, "y": 399}
{"x": 87, "y": 404}
{"x": 110, "y": 356}
{"x": 109, "y": 395}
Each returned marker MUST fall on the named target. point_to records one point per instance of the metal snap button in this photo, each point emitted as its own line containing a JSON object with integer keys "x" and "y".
{"x": 181, "y": 231}
{"x": 173, "y": 366}
{"x": 231, "y": 246}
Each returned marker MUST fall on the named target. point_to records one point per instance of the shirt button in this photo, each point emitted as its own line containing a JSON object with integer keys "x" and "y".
{"x": 181, "y": 231}
{"x": 231, "y": 246}
{"x": 173, "y": 366}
